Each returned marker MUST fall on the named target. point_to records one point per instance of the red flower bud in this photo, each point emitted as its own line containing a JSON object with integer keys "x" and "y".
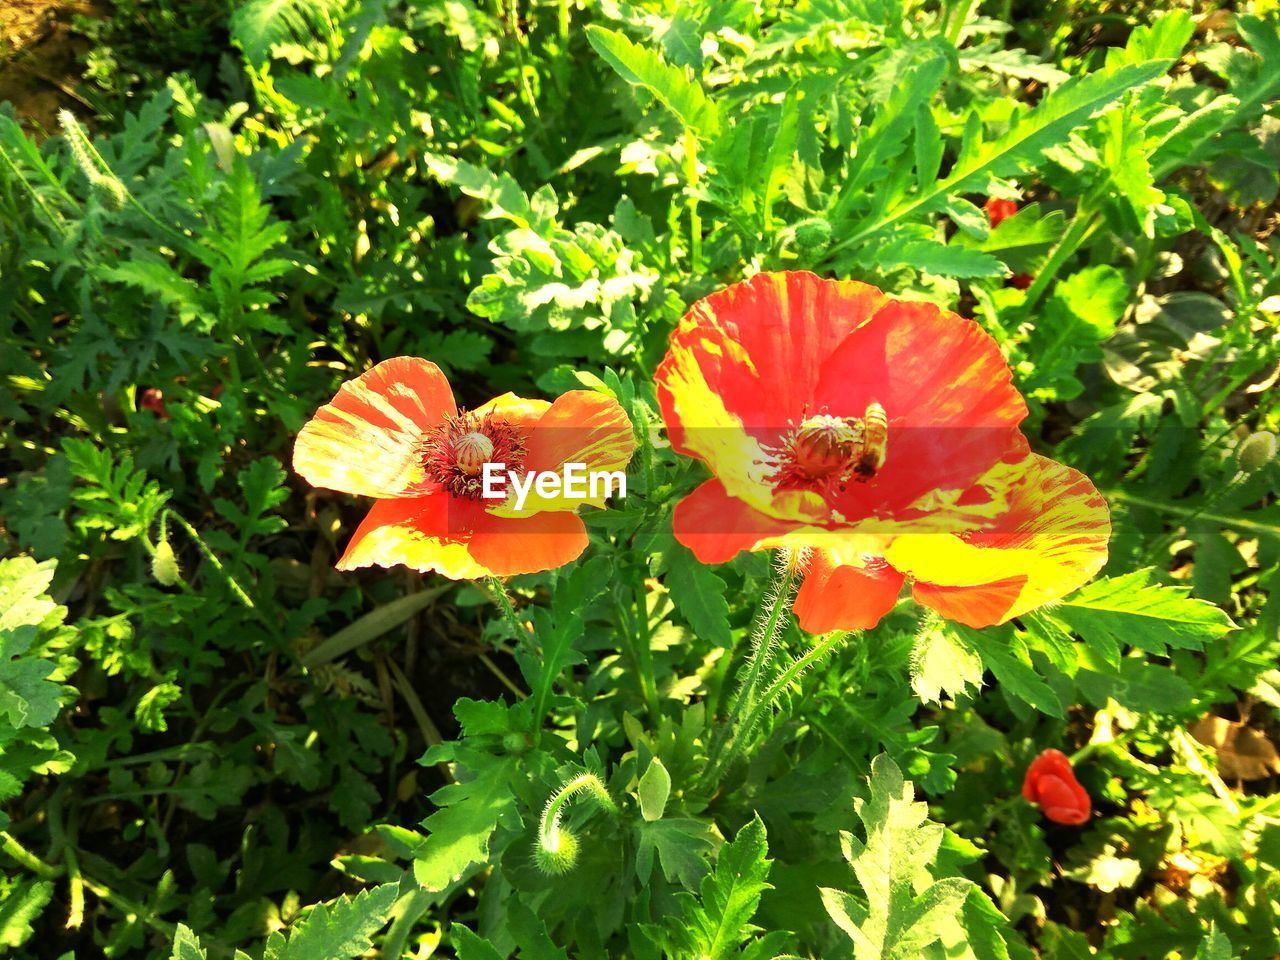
{"x": 1020, "y": 280}
{"x": 999, "y": 210}
{"x": 1052, "y": 786}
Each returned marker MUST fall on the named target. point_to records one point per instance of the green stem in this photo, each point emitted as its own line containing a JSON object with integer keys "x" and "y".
{"x": 797, "y": 667}
{"x": 25, "y": 858}
{"x": 1234, "y": 522}
{"x": 503, "y": 601}
{"x": 1082, "y": 227}
{"x": 765, "y": 639}
{"x": 695, "y": 220}
{"x": 209, "y": 555}
{"x": 644, "y": 647}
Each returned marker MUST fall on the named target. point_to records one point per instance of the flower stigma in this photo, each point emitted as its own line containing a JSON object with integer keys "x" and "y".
{"x": 826, "y": 452}
{"x": 455, "y": 452}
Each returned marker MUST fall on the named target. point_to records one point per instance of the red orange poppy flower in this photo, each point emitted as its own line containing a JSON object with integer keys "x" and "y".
{"x": 1051, "y": 785}
{"x": 880, "y": 436}
{"x": 395, "y": 434}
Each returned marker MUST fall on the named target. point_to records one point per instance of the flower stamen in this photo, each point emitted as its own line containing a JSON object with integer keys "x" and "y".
{"x": 454, "y": 454}
{"x": 826, "y": 452}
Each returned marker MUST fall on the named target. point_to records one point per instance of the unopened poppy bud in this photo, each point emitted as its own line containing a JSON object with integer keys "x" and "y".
{"x": 164, "y": 565}
{"x": 473, "y": 452}
{"x": 812, "y": 235}
{"x": 1256, "y": 451}
{"x": 515, "y": 742}
{"x": 558, "y": 855}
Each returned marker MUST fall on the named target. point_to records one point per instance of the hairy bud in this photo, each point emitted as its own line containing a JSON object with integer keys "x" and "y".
{"x": 1256, "y": 451}
{"x": 164, "y": 565}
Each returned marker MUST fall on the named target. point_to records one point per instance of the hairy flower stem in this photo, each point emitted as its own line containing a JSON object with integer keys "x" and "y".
{"x": 817, "y": 652}
{"x": 503, "y": 601}
{"x": 558, "y": 848}
{"x": 764, "y": 641}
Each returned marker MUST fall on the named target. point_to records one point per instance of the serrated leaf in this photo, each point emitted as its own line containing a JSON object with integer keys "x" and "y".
{"x": 186, "y": 945}
{"x": 1214, "y": 946}
{"x": 699, "y": 594}
{"x": 1048, "y": 124}
{"x": 906, "y": 908}
{"x": 20, "y": 906}
{"x": 719, "y": 921}
{"x": 1006, "y": 655}
{"x": 339, "y": 930}
{"x": 470, "y": 946}
{"x": 940, "y": 259}
{"x": 642, "y": 67}
{"x": 1130, "y": 610}
{"x": 942, "y": 662}
{"x": 459, "y": 832}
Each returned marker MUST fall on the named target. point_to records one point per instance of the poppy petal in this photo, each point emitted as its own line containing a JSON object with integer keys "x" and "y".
{"x": 508, "y": 546}
{"x": 365, "y": 441}
{"x": 717, "y": 527}
{"x": 1063, "y": 801}
{"x": 580, "y": 427}
{"x": 837, "y": 596}
{"x": 416, "y": 532}
{"x": 948, "y": 392}
{"x": 745, "y": 361}
{"x": 1051, "y": 539}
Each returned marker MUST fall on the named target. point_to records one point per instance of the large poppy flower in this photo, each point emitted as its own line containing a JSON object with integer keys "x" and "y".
{"x": 395, "y": 434}
{"x": 879, "y": 435}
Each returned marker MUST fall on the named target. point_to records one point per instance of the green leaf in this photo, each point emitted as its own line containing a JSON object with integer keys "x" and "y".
{"x": 459, "y": 832}
{"x": 186, "y": 945}
{"x": 680, "y": 844}
{"x": 653, "y": 790}
{"x": 20, "y": 906}
{"x": 28, "y": 698}
{"x": 906, "y": 908}
{"x": 1006, "y": 655}
{"x": 942, "y": 662}
{"x": 339, "y": 930}
{"x": 157, "y": 279}
{"x": 940, "y": 259}
{"x": 642, "y": 67}
{"x": 714, "y": 925}
{"x": 258, "y": 25}
{"x": 501, "y": 195}
{"x": 1048, "y": 124}
{"x": 1114, "y": 612}
{"x": 470, "y": 946}
{"x": 1214, "y": 946}
{"x": 699, "y": 594}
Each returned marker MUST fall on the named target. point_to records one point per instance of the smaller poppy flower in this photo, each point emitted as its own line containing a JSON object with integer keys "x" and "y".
{"x": 395, "y": 434}
{"x": 1021, "y": 280}
{"x": 999, "y": 210}
{"x": 149, "y": 398}
{"x": 1051, "y": 785}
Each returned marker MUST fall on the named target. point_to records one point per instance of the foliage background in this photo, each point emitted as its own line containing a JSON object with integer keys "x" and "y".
{"x": 254, "y": 201}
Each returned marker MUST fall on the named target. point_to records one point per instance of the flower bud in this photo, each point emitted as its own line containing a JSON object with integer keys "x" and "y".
{"x": 164, "y": 565}
{"x": 1256, "y": 451}
{"x": 812, "y": 236}
{"x": 558, "y": 855}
